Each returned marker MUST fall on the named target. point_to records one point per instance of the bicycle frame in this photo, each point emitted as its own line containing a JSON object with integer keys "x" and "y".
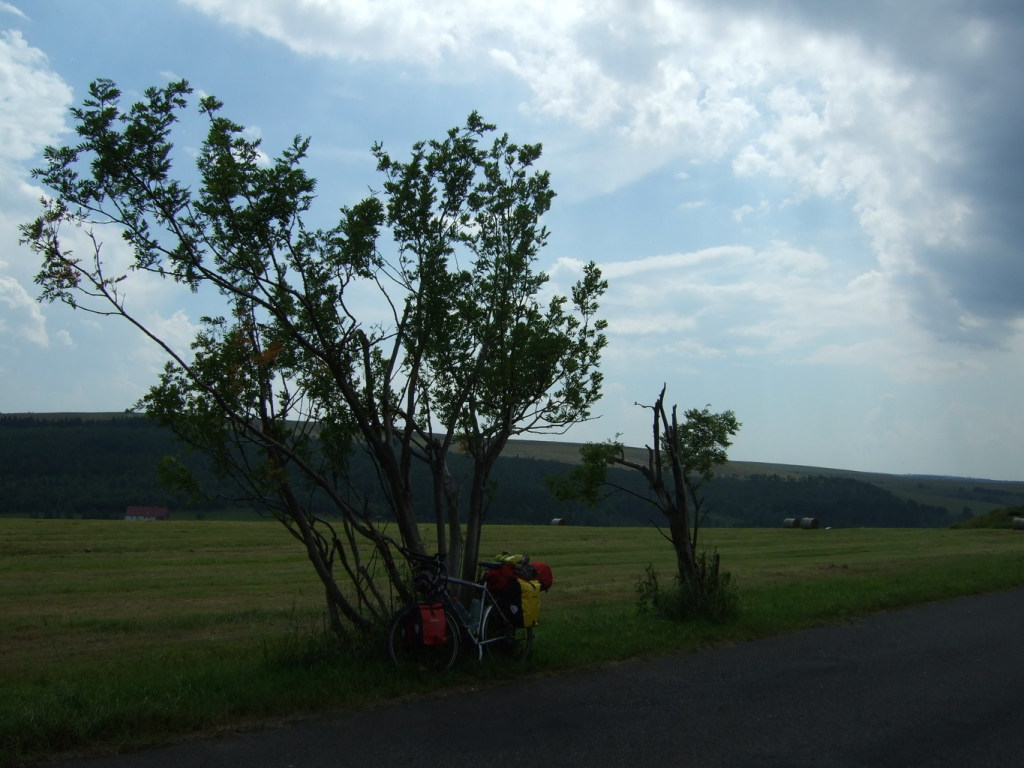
{"x": 473, "y": 625}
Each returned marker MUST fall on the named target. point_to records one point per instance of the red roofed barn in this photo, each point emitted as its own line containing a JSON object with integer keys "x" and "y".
{"x": 147, "y": 513}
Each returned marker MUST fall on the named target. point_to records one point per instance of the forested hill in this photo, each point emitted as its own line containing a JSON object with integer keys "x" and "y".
{"x": 96, "y": 465}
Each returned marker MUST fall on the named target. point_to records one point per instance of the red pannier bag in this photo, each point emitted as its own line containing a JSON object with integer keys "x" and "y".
{"x": 498, "y": 579}
{"x": 433, "y": 627}
{"x": 503, "y": 582}
{"x": 534, "y": 570}
{"x": 542, "y": 573}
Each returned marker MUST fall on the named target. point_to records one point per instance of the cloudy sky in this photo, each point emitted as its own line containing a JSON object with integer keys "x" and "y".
{"x": 808, "y": 211}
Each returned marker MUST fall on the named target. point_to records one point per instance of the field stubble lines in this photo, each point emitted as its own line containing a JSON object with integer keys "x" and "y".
{"x": 72, "y": 590}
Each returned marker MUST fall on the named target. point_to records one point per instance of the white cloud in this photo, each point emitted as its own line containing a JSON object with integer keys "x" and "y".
{"x": 665, "y": 83}
{"x": 34, "y": 102}
{"x": 31, "y": 115}
{"x": 176, "y": 330}
{"x": 783, "y": 257}
{"x": 730, "y": 255}
{"x": 8, "y": 8}
{"x": 782, "y": 302}
{"x": 650, "y": 324}
{"x": 360, "y": 30}
{"x": 20, "y": 316}
{"x": 677, "y": 81}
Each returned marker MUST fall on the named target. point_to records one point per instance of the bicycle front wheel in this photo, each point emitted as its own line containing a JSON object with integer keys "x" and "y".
{"x": 503, "y": 641}
{"x": 407, "y": 649}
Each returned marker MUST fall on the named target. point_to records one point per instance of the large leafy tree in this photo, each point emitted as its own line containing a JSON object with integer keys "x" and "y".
{"x": 327, "y": 342}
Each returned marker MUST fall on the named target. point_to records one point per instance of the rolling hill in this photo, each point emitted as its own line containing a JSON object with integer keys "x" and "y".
{"x": 95, "y": 465}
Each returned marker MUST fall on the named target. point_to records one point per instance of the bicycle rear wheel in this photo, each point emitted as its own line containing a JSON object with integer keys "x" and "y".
{"x": 501, "y": 640}
{"x": 407, "y": 649}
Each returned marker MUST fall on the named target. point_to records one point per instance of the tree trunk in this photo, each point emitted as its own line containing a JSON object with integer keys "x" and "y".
{"x": 484, "y": 459}
{"x": 335, "y": 597}
{"x": 672, "y": 501}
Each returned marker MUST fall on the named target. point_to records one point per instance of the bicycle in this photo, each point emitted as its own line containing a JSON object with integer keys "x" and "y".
{"x": 487, "y": 625}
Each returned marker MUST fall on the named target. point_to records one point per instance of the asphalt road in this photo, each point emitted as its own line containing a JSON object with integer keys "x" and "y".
{"x": 939, "y": 685}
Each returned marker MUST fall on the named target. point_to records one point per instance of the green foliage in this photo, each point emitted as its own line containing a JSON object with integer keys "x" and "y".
{"x": 999, "y": 518}
{"x": 704, "y": 439}
{"x": 701, "y": 443}
{"x": 716, "y": 599}
{"x": 586, "y": 481}
{"x": 69, "y": 467}
{"x": 650, "y": 593}
{"x": 760, "y": 500}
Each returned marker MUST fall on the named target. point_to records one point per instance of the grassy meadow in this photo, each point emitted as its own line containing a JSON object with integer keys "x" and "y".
{"x": 116, "y": 634}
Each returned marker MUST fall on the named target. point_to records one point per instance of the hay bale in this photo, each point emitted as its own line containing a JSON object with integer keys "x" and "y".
{"x": 809, "y": 523}
{"x": 1018, "y": 523}
{"x": 791, "y": 522}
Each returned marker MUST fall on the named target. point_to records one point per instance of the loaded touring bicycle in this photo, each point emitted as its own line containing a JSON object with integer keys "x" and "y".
{"x": 498, "y": 622}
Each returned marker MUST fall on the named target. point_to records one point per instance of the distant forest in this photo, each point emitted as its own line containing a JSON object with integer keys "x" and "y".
{"x": 70, "y": 467}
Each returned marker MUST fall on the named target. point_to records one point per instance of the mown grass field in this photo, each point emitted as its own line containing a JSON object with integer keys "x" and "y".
{"x": 114, "y": 634}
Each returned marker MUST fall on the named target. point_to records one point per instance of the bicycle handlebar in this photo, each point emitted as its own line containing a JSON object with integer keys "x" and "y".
{"x": 437, "y": 560}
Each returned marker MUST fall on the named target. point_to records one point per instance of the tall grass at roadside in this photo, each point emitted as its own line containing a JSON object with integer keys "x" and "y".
{"x": 116, "y": 634}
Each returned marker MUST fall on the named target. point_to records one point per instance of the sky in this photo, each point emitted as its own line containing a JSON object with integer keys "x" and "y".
{"x": 808, "y": 212}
